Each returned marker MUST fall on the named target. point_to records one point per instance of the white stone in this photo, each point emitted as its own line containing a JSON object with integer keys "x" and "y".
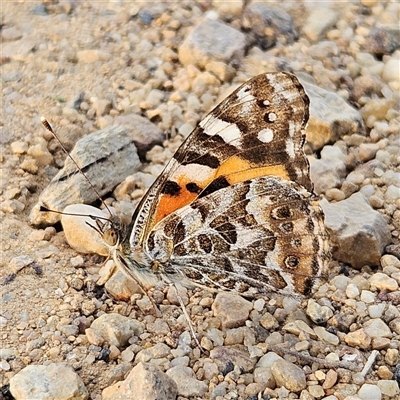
{"x": 391, "y": 70}
{"x": 352, "y": 291}
{"x": 259, "y": 304}
{"x": 392, "y": 193}
{"x": 78, "y": 229}
{"x": 370, "y": 392}
{"x": 145, "y": 381}
{"x": 367, "y": 296}
{"x": 115, "y": 329}
{"x": 389, "y": 388}
{"x": 319, "y": 21}
{"x": 19, "y": 147}
{"x": 382, "y": 281}
{"x": 268, "y": 359}
{"x": 186, "y": 382}
{"x": 376, "y": 328}
{"x": 376, "y": 310}
{"x": 326, "y": 336}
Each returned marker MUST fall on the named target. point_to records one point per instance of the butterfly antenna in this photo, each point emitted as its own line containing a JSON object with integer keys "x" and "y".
{"x": 48, "y": 127}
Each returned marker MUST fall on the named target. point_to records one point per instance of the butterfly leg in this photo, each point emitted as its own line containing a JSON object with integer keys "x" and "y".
{"x": 127, "y": 270}
{"x": 156, "y": 309}
{"x": 185, "y": 313}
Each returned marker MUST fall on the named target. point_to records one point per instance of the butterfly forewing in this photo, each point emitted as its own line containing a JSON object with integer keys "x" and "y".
{"x": 256, "y": 131}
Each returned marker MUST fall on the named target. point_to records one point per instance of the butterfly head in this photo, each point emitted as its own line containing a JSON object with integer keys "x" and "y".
{"x": 111, "y": 236}
{"x": 112, "y": 231}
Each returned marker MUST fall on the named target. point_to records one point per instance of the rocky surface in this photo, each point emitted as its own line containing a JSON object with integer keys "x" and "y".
{"x": 154, "y": 70}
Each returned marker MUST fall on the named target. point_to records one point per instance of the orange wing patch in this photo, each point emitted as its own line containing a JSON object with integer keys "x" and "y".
{"x": 238, "y": 170}
{"x": 187, "y": 183}
{"x": 183, "y": 190}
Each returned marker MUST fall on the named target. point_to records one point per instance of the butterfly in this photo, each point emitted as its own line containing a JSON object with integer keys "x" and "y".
{"x": 234, "y": 209}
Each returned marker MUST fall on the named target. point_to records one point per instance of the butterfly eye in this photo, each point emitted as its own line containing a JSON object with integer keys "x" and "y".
{"x": 110, "y": 237}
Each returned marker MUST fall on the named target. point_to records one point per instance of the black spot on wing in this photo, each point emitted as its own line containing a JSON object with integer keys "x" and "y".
{"x": 268, "y": 118}
{"x": 150, "y": 241}
{"x": 291, "y": 262}
{"x": 171, "y": 188}
{"x": 205, "y": 243}
{"x": 202, "y": 208}
{"x": 308, "y": 286}
{"x": 242, "y": 126}
{"x": 170, "y": 227}
{"x": 286, "y": 227}
{"x": 206, "y": 159}
{"x": 193, "y": 188}
{"x": 225, "y": 229}
{"x": 216, "y": 184}
{"x": 262, "y": 103}
{"x": 180, "y": 250}
{"x": 281, "y": 212}
{"x": 227, "y": 265}
{"x": 258, "y": 153}
{"x": 228, "y": 232}
{"x": 310, "y": 224}
{"x": 316, "y": 245}
{"x": 193, "y": 274}
{"x": 179, "y": 233}
{"x": 206, "y": 149}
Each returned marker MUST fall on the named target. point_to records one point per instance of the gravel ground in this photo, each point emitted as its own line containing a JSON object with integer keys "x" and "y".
{"x": 85, "y": 65}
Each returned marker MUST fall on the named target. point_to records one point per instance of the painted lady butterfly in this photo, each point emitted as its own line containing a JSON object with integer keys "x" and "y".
{"x": 234, "y": 209}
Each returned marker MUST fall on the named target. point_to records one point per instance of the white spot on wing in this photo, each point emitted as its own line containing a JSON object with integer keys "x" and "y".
{"x": 215, "y": 126}
{"x": 244, "y": 93}
{"x": 278, "y": 86}
{"x": 204, "y": 123}
{"x": 300, "y": 173}
{"x": 230, "y": 132}
{"x": 197, "y": 173}
{"x": 271, "y": 117}
{"x": 290, "y": 148}
{"x": 265, "y": 135}
{"x": 245, "y": 99}
{"x": 283, "y": 86}
{"x": 292, "y": 129}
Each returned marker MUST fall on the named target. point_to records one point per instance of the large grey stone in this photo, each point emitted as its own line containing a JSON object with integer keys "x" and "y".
{"x": 212, "y": 41}
{"x": 107, "y": 157}
{"x": 266, "y": 25}
{"x": 330, "y": 116}
{"x": 53, "y": 381}
{"x": 358, "y": 233}
{"x": 144, "y": 382}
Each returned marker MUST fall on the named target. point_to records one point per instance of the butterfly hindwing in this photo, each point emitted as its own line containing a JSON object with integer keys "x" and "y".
{"x": 264, "y": 234}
